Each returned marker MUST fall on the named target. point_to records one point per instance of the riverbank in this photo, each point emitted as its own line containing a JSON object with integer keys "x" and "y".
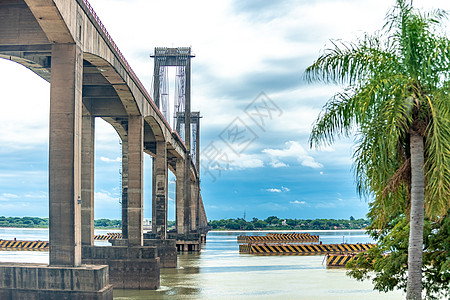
{"x": 270, "y": 223}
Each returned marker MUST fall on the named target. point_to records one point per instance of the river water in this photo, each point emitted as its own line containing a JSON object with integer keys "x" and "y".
{"x": 220, "y": 272}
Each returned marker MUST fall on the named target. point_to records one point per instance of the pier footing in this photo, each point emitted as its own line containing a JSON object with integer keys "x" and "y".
{"x": 129, "y": 267}
{"x": 188, "y": 242}
{"x": 166, "y": 249}
{"x": 37, "y": 281}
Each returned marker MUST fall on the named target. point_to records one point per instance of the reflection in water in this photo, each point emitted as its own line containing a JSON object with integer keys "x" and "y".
{"x": 220, "y": 272}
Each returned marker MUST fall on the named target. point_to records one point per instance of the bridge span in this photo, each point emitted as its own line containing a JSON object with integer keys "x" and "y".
{"x": 64, "y": 42}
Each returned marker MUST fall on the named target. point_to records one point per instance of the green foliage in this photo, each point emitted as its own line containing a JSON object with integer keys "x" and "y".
{"x": 396, "y": 81}
{"x": 106, "y": 223}
{"x": 396, "y": 86}
{"x": 273, "y": 222}
{"x": 386, "y": 264}
{"x": 25, "y": 222}
{"x": 35, "y": 222}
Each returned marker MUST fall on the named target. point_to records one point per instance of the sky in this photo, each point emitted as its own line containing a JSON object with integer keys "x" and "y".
{"x": 247, "y": 82}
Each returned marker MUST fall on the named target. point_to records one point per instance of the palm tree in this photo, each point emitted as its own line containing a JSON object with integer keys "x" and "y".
{"x": 396, "y": 99}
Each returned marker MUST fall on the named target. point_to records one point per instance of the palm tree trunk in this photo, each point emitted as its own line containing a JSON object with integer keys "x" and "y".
{"x": 414, "y": 285}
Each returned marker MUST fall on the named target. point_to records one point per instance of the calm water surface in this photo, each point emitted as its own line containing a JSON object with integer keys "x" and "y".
{"x": 220, "y": 272}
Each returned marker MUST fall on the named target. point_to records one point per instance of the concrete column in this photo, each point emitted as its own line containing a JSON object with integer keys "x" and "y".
{"x": 135, "y": 180}
{"x": 182, "y": 220}
{"x": 159, "y": 201}
{"x": 65, "y": 155}
{"x": 125, "y": 188}
{"x": 87, "y": 180}
{"x": 156, "y": 82}
{"x": 197, "y": 205}
{"x": 203, "y": 219}
{"x": 187, "y": 106}
{"x": 197, "y": 147}
{"x": 193, "y": 205}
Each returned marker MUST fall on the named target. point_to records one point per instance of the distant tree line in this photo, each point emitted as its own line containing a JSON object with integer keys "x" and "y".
{"x": 107, "y": 223}
{"x": 35, "y": 222}
{"x": 274, "y": 222}
{"x": 271, "y": 222}
{"x": 24, "y": 222}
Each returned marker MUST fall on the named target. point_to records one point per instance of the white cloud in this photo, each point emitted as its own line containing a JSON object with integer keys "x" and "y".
{"x": 283, "y": 189}
{"x": 25, "y": 111}
{"x": 293, "y": 150}
{"x": 278, "y": 164}
{"x": 105, "y": 198}
{"x": 273, "y": 190}
{"x": 8, "y": 196}
{"x": 230, "y": 160}
{"x": 41, "y": 195}
{"x": 310, "y": 162}
{"x": 106, "y": 159}
{"x": 296, "y": 202}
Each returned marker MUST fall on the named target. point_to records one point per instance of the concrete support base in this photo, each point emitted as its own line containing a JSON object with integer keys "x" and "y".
{"x": 129, "y": 267}
{"x": 188, "y": 246}
{"x": 39, "y": 282}
{"x": 167, "y": 249}
{"x": 188, "y": 242}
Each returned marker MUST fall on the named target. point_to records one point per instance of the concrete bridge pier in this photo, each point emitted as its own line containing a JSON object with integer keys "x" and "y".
{"x": 132, "y": 265}
{"x": 187, "y": 203}
{"x": 158, "y": 237}
{"x": 65, "y": 277}
{"x": 182, "y": 212}
{"x": 87, "y": 178}
{"x": 159, "y": 201}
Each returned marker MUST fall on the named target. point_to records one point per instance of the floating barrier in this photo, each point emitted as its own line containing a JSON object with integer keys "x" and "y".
{"x": 278, "y": 237}
{"x": 24, "y": 245}
{"x": 339, "y": 260}
{"x": 108, "y": 236}
{"x": 304, "y": 249}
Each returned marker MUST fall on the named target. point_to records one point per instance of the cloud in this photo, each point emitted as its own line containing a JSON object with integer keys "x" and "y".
{"x": 296, "y": 202}
{"x": 106, "y": 159}
{"x": 40, "y": 195}
{"x": 105, "y": 198}
{"x": 8, "y": 196}
{"x": 278, "y": 164}
{"x": 293, "y": 150}
{"x": 283, "y": 189}
{"x": 228, "y": 160}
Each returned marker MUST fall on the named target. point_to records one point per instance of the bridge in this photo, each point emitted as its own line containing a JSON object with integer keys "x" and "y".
{"x": 64, "y": 42}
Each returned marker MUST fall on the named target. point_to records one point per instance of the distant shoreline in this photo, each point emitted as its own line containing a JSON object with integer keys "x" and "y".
{"x": 46, "y": 227}
{"x": 271, "y": 223}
